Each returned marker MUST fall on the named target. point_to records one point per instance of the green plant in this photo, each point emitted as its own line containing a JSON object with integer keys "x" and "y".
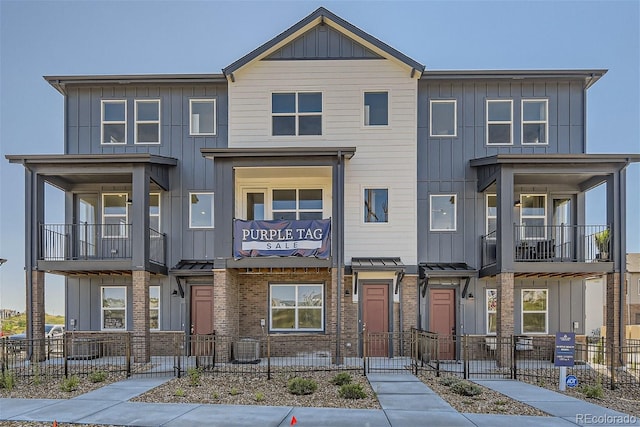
{"x": 599, "y": 357}
{"x": 341, "y": 379}
{"x": 70, "y": 384}
{"x": 500, "y": 402}
{"x": 97, "y": 376}
{"x": 352, "y": 391}
{"x": 259, "y": 396}
{"x": 8, "y": 380}
{"x": 37, "y": 378}
{"x": 234, "y": 391}
{"x": 179, "y": 392}
{"x": 194, "y": 376}
{"x": 602, "y": 240}
{"x": 301, "y": 386}
{"x": 465, "y": 388}
{"x": 215, "y": 396}
{"x": 449, "y": 381}
{"x": 593, "y": 391}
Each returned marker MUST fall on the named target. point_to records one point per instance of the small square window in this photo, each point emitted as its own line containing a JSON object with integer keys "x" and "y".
{"x": 376, "y": 108}
{"x": 202, "y": 113}
{"x": 499, "y": 122}
{"x": 443, "y": 118}
{"x": 443, "y": 212}
{"x": 376, "y": 205}
{"x": 296, "y": 113}
{"x": 201, "y": 210}
{"x": 147, "y": 129}
{"x": 114, "y": 122}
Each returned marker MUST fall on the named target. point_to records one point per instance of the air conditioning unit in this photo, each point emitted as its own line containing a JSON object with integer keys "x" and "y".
{"x": 246, "y": 350}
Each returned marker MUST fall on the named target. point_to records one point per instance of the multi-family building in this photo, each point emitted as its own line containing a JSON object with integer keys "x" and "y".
{"x": 325, "y": 183}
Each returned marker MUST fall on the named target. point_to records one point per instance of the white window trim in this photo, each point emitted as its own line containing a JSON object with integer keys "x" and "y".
{"x": 147, "y": 122}
{"x": 455, "y": 117}
{"x": 362, "y": 213}
{"x": 297, "y": 307}
{"x": 638, "y": 286}
{"x": 544, "y": 216}
{"x": 388, "y": 125}
{"x": 115, "y": 122}
{"x": 159, "y": 215}
{"x": 297, "y": 209}
{"x": 488, "y": 312}
{"x": 102, "y": 308}
{"x": 546, "y": 312}
{"x": 213, "y": 216}
{"x": 215, "y": 116}
{"x": 455, "y": 212}
{"x": 156, "y": 309}
{"x": 487, "y": 216}
{"x": 297, "y": 114}
{"x": 105, "y": 215}
{"x": 545, "y": 121}
{"x": 498, "y": 122}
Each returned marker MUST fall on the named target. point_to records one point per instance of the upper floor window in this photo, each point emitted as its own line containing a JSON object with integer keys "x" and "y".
{"x": 202, "y": 113}
{"x": 499, "y": 122}
{"x": 114, "y": 122}
{"x": 201, "y": 210}
{"x": 147, "y": 129}
{"x": 535, "y": 116}
{"x": 154, "y": 211}
{"x": 376, "y": 205}
{"x": 533, "y": 216}
{"x": 115, "y": 215}
{"x": 492, "y": 215}
{"x": 443, "y": 118}
{"x": 114, "y": 307}
{"x": 296, "y": 113}
{"x": 297, "y": 204}
{"x": 443, "y": 212}
{"x": 376, "y": 108}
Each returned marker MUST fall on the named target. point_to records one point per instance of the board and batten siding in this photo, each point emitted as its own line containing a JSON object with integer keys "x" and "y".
{"x": 385, "y": 156}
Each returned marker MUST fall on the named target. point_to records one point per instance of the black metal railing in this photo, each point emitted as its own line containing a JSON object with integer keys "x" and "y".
{"x": 157, "y": 250}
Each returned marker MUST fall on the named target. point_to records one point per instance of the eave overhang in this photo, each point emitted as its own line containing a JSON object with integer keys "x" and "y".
{"x": 522, "y": 159}
{"x": 346, "y": 152}
{"x": 588, "y": 76}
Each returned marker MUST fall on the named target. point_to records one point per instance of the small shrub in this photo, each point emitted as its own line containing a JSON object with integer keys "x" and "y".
{"x": 179, "y": 392}
{"x": 352, "y": 391}
{"x": 449, "y": 381}
{"x": 500, "y": 402}
{"x": 259, "y": 397}
{"x": 8, "y": 380}
{"x": 465, "y": 388}
{"x": 593, "y": 391}
{"x": 341, "y": 379}
{"x": 234, "y": 392}
{"x": 194, "y": 376}
{"x": 215, "y": 396}
{"x": 70, "y": 384}
{"x": 97, "y": 376}
{"x": 300, "y": 386}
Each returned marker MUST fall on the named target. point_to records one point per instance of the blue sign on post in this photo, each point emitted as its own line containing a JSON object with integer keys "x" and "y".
{"x": 572, "y": 381}
{"x": 565, "y": 348}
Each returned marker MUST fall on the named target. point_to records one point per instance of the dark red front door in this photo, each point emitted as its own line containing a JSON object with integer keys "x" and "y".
{"x": 375, "y": 317}
{"x": 201, "y": 319}
{"x": 442, "y": 319}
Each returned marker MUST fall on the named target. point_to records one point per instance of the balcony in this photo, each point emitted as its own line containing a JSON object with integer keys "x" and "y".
{"x": 552, "y": 244}
{"x": 69, "y": 248}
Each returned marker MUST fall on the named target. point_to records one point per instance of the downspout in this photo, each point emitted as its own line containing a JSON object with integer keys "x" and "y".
{"x": 622, "y": 212}
{"x": 339, "y": 247}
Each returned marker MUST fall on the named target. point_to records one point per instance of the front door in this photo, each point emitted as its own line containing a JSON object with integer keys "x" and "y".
{"x": 201, "y": 319}
{"x": 375, "y": 318}
{"x": 442, "y": 320}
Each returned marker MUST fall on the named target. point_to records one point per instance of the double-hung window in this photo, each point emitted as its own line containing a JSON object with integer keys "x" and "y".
{"x": 492, "y": 311}
{"x": 535, "y": 117}
{"x": 443, "y": 118}
{"x": 296, "y": 307}
{"x": 297, "y": 204}
{"x": 500, "y": 122}
{"x": 533, "y": 216}
{"x": 534, "y": 311}
{"x": 296, "y": 113}
{"x": 147, "y": 128}
{"x": 201, "y": 210}
{"x": 154, "y": 307}
{"x": 202, "y": 113}
{"x": 114, "y": 308}
{"x": 443, "y": 212}
{"x": 376, "y": 108}
{"x": 115, "y": 215}
{"x": 376, "y": 205}
{"x": 113, "y": 129}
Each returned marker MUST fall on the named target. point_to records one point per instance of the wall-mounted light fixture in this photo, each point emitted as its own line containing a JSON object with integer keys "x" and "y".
{"x": 470, "y": 296}
{"x": 129, "y": 201}
{"x": 517, "y": 204}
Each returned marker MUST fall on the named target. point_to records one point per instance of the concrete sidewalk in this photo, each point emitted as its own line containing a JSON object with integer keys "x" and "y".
{"x": 405, "y": 401}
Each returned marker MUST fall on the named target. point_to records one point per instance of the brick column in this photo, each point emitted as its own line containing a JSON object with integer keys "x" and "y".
{"x": 141, "y": 337}
{"x": 36, "y": 313}
{"x": 225, "y": 303}
{"x": 614, "y": 322}
{"x": 505, "y": 319}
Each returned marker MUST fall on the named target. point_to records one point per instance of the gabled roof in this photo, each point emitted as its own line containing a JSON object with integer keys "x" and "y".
{"x": 321, "y": 16}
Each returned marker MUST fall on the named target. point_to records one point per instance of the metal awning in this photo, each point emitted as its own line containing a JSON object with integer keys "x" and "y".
{"x": 193, "y": 268}
{"x": 377, "y": 264}
{"x": 446, "y": 269}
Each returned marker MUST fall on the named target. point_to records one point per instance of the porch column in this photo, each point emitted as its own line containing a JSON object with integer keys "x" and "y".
{"x": 615, "y": 321}
{"x": 504, "y": 316}
{"x": 226, "y": 305}
{"x": 141, "y": 336}
{"x": 35, "y": 312}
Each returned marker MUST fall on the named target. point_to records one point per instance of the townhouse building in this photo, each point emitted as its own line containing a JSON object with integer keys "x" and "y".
{"x": 325, "y": 184}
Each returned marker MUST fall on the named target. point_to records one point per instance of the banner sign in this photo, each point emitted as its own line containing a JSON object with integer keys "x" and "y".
{"x": 304, "y": 238}
{"x": 565, "y": 348}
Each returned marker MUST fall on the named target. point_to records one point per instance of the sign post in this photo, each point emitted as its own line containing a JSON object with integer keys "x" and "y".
{"x": 565, "y": 356}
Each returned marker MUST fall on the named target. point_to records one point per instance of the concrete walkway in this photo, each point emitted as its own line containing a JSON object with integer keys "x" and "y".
{"x": 405, "y": 401}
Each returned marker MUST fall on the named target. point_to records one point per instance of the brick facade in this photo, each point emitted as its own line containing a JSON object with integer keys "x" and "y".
{"x": 141, "y": 334}
{"x": 37, "y": 314}
{"x": 614, "y": 321}
{"x": 504, "y": 313}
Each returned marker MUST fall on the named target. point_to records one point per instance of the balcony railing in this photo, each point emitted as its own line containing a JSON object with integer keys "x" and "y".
{"x": 73, "y": 242}
{"x": 553, "y": 243}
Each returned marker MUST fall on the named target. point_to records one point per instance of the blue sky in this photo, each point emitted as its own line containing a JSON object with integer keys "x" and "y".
{"x": 137, "y": 37}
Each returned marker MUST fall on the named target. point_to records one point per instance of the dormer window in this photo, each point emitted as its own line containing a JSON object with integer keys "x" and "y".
{"x": 296, "y": 113}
